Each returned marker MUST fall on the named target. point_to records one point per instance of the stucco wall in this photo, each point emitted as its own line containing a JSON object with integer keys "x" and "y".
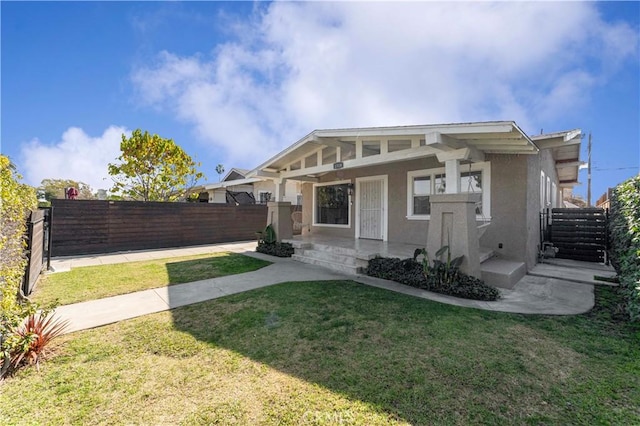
{"x": 508, "y": 206}
{"x": 399, "y": 227}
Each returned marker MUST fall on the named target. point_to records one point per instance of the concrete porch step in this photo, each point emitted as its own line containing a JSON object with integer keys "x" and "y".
{"x": 328, "y": 256}
{"x": 502, "y": 273}
{"x": 339, "y": 267}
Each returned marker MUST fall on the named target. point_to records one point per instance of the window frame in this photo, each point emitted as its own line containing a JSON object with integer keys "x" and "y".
{"x": 484, "y": 167}
{"x": 260, "y": 192}
{"x": 315, "y": 206}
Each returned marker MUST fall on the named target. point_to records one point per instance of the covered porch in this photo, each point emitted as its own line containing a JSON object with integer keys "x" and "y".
{"x": 351, "y": 255}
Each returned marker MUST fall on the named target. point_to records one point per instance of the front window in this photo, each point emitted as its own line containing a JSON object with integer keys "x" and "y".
{"x": 265, "y": 197}
{"x": 421, "y": 192}
{"x": 472, "y": 182}
{"x": 421, "y": 184}
{"x": 332, "y": 204}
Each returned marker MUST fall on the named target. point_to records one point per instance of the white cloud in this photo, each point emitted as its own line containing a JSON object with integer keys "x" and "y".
{"x": 301, "y": 66}
{"x": 76, "y": 156}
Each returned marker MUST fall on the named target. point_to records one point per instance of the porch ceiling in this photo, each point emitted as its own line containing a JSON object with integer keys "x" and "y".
{"x": 467, "y": 141}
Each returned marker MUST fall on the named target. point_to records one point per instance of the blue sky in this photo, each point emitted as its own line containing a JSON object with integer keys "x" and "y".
{"x": 235, "y": 82}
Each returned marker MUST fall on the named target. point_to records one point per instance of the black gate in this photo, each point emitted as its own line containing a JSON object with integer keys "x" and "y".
{"x": 578, "y": 234}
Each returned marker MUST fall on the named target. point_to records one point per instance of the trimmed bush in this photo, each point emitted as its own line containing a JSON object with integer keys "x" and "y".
{"x": 275, "y": 249}
{"x": 624, "y": 234}
{"x": 411, "y": 272}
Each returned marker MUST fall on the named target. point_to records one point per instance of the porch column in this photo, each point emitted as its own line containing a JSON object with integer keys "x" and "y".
{"x": 280, "y": 189}
{"x": 453, "y": 223}
{"x": 279, "y": 216}
{"x": 452, "y": 176}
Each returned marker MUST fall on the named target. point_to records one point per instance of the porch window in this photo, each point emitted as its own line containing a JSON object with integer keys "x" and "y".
{"x": 331, "y": 203}
{"x": 421, "y": 184}
{"x": 265, "y": 197}
{"x": 472, "y": 182}
{"x": 421, "y": 192}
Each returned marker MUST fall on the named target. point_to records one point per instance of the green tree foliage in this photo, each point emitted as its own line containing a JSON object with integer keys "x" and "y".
{"x": 219, "y": 171}
{"x": 16, "y": 200}
{"x": 152, "y": 168}
{"x": 55, "y": 188}
{"x": 624, "y": 228}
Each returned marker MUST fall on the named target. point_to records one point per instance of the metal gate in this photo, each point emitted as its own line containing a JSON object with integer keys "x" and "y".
{"x": 578, "y": 234}
{"x": 38, "y": 250}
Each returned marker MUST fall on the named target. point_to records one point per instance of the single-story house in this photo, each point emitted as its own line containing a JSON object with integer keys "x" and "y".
{"x": 236, "y": 188}
{"x": 477, "y": 187}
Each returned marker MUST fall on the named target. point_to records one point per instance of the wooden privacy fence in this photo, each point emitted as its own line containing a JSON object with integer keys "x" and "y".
{"x": 579, "y": 234}
{"x": 35, "y": 250}
{"x": 90, "y": 226}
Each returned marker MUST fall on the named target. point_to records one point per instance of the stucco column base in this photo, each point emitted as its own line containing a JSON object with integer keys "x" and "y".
{"x": 279, "y": 216}
{"x": 453, "y": 223}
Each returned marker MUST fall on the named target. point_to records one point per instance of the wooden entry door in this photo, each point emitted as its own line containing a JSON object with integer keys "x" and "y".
{"x": 371, "y": 208}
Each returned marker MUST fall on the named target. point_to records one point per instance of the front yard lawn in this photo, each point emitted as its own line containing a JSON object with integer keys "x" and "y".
{"x": 336, "y": 353}
{"x": 95, "y": 282}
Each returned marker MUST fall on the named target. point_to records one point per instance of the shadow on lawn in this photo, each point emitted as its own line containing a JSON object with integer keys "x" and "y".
{"x": 372, "y": 345}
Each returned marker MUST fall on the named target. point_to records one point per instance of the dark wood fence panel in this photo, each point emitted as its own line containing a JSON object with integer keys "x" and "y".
{"x": 35, "y": 250}
{"x": 580, "y": 234}
{"x": 88, "y": 226}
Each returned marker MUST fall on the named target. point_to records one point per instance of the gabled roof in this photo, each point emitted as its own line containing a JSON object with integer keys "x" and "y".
{"x": 235, "y": 174}
{"x": 565, "y": 147}
{"x": 468, "y": 141}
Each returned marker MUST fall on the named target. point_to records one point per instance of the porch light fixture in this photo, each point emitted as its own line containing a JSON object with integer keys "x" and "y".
{"x": 350, "y": 189}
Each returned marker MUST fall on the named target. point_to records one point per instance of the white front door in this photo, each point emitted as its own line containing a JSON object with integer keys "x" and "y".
{"x": 371, "y": 209}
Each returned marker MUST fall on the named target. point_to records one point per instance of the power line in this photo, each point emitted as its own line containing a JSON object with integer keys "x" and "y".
{"x": 615, "y": 168}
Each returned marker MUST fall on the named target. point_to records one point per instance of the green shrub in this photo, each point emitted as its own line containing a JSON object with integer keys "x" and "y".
{"x": 268, "y": 244}
{"x": 16, "y": 199}
{"x": 275, "y": 249}
{"x": 624, "y": 234}
{"x": 435, "y": 278}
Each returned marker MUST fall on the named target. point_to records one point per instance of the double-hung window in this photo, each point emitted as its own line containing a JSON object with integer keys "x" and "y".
{"x": 421, "y": 184}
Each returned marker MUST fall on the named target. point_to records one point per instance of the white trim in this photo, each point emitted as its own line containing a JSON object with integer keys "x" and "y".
{"x": 385, "y": 203}
{"x": 315, "y": 210}
{"x": 484, "y": 167}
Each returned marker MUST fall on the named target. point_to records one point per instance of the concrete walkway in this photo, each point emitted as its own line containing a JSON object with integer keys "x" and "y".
{"x": 532, "y": 295}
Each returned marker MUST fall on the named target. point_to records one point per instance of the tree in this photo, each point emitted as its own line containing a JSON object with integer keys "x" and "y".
{"x": 152, "y": 168}
{"x": 55, "y": 188}
{"x": 219, "y": 170}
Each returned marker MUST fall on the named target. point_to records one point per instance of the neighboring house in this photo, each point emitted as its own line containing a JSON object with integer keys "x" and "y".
{"x": 386, "y": 183}
{"x": 604, "y": 202}
{"x": 236, "y": 188}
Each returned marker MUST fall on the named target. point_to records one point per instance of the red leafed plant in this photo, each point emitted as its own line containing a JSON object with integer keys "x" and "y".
{"x": 33, "y": 336}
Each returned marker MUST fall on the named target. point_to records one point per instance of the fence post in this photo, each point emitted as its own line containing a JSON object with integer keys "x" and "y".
{"x": 27, "y": 272}
{"x": 49, "y": 238}
{"x": 606, "y": 236}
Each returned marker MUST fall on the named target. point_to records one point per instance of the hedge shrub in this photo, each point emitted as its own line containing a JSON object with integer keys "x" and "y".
{"x": 16, "y": 200}
{"x": 275, "y": 249}
{"x": 411, "y": 272}
{"x": 624, "y": 234}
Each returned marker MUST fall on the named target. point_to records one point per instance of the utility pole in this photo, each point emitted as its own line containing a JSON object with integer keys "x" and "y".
{"x": 589, "y": 173}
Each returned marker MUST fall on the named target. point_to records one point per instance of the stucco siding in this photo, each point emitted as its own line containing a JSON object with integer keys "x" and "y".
{"x": 506, "y": 234}
{"x": 399, "y": 228}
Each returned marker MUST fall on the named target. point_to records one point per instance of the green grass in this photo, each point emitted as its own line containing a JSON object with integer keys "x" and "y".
{"x": 337, "y": 353}
{"x": 95, "y": 282}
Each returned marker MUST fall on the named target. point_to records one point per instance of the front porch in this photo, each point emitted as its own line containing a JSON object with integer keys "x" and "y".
{"x": 352, "y": 255}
